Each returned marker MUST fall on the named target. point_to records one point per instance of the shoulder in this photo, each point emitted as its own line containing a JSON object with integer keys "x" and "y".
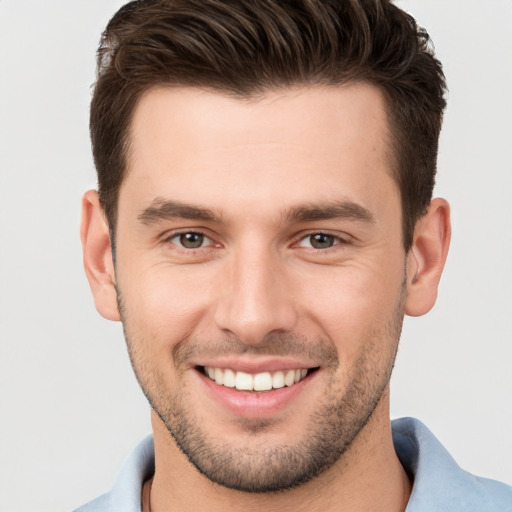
{"x": 440, "y": 484}
{"x": 126, "y": 493}
{"x": 100, "y": 504}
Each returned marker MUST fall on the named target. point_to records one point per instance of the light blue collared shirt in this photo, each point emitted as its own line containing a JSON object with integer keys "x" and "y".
{"x": 440, "y": 485}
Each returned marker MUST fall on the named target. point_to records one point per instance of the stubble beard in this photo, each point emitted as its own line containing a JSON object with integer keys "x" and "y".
{"x": 330, "y": 430}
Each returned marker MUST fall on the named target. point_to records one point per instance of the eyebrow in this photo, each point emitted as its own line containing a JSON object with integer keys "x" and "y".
{"x": 336, "y": 210}
{"x": 163, "y": 209}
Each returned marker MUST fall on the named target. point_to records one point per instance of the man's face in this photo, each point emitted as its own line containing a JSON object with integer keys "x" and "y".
{"x": 259, "y": 246}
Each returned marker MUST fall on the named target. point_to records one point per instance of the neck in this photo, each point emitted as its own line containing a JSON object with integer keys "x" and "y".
{"x": 368, "y": 476}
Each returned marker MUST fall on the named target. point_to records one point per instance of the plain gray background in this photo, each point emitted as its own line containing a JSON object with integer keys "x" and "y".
{"x": 70, "y": 409}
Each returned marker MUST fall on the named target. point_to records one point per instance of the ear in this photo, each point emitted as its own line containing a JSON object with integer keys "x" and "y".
{"x": 97, "y": 255}
{"x": 426, "y": 258}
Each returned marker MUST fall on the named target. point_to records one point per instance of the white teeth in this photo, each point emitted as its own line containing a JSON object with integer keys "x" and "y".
{"x": 278, "y": 380}
{"x": 264, "y": 381}
{"x": 229, "y": 378}
{"x": 243, "y": 381}
{"x": 219, "y": 376}
{"x": 289, "y": 378}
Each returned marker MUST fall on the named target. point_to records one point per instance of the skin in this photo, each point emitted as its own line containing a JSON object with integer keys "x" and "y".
{"x": 257, "y": 291}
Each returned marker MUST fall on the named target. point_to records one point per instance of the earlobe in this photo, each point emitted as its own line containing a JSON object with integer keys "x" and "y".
{"x": 97, "y": 256}
{"x": 426, "y": 258}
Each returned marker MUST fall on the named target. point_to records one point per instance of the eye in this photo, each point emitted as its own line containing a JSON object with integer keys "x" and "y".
{"x": 320, "y": 241}
{"x": 190, "y": 240}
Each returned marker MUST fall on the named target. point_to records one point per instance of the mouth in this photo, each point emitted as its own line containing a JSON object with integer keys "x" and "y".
{"x": 256, "y": 389}
{"x": 257, "y": 382}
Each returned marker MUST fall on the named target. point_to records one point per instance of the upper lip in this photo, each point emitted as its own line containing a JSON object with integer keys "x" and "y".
{"x": 256, "y": 365}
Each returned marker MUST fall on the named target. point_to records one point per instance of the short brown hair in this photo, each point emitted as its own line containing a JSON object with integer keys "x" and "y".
{"x": 246, "y": 47}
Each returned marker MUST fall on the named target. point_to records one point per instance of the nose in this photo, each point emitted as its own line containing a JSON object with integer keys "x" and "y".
{"x": 255, "y": 299}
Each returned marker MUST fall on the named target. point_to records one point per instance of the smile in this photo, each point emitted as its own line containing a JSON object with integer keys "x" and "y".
{"x": 264, "y": 381}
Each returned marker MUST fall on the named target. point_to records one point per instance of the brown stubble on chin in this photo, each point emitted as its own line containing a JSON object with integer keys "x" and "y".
{"x": 257, "y": 467}
{"x": 255, "y": 426}
{"x": 328, "y": 435}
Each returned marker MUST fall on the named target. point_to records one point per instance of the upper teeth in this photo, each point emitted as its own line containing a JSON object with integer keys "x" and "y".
{"x": 264, "y": 381}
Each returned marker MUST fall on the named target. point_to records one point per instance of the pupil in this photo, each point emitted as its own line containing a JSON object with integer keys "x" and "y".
{"x": 321, "y": 241}
{"x": 191, "y": 240}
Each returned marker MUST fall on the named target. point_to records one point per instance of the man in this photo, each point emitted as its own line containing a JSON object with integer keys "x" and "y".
{"x": 263, "y": 222}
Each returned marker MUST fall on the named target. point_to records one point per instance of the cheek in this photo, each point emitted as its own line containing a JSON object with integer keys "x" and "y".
{"x": 358, "y": 305}
{"x": 163, "y": 304}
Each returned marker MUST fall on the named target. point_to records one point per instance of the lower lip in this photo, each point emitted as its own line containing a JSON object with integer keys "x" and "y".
{"x": 255, "y": 404}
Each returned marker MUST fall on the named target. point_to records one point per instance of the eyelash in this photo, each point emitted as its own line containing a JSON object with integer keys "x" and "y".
{"x": 172, "y": 236}
{"x": 337, "y": 240}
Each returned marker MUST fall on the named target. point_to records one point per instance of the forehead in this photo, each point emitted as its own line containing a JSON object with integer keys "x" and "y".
{"x": 286, "y": 145}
